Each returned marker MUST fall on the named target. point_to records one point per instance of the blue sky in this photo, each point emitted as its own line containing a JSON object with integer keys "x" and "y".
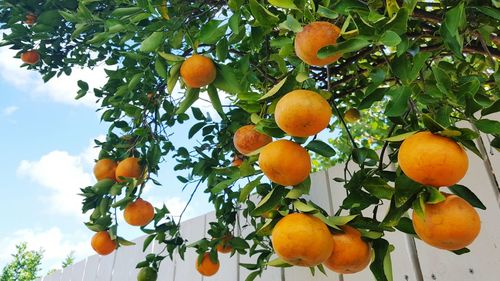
{"x": 47, "y": 141}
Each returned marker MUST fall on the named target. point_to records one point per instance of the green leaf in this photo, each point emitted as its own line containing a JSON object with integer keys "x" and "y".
{"x": 405, "y": 189}
{"x": 390, "y": 38}
{"x": 223, "y": 185}
{"x": 261, "y": 14}
{"x": 351, "y": 45}
{"x": 161, "y": 69}
{"x": 461, "y": 251}
{"x": 303, "y": 207}
{"x": 191, "y": 96}
{"x": 494, "y": 13}
{"x": 174, "y": 76}
{"x": 406, "y": 225}
{"x": 222, "y": 49}
{"x": 170, "y": 57}
{"x": 321, "y": 148}
{"x": 226, "y": 80}
{"x": 488, "y": 126}
{"x": 278, "y": 262}
{"x": 287, "y": 4}
{"x": 270, "y": 201}
{"x": 274, "y": 89}
{"x": 326, "y": 13}
{"x": 195, "y": 128}
{"x": 248, "y": 188}
{"x": 378, "y": 187}
{"x": 300, "y": 189}
{"x": 292, "y": 24}
{"x": 121, "y": 12}
{"x": 215, "y": 100}
{"x": 467, "y": 195}
{"x": 434, "y": 196}
{"x": 431, "y": 124}
{"x": 379, "y": 264}
{"x": 212, "y": 32}
{"x": 399, "y": 102}
{"x": 495, "y": 107}
{"x": 401, "y": 137}
{"x": 152, "y": 43}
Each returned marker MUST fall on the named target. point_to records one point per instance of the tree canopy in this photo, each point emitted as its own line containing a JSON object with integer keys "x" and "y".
{"x": 405, "y": 65}
{"x": 25, "y": 265}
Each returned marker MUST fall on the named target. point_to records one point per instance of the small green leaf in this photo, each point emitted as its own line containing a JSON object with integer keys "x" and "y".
{"x": 271, "y": 200}
{"x": 326, "y": 13}
{"x": 401, "y": 137}
{"x": 274, "y": 89}
{"x": 212, "y": 32}
{"x": 434, "y": 196}
{"x": 321, "y": 148}
{"x": 248, "y": 188}
{"x": 390, "y": 38}
{"x": 351, "y": 45}
{"x": 286, "y": 4}
{"x": 378, "y": 187}
{"x": 152, "y": 42}
{"x": 261, "y": 14}
{"x": 467, "y": 195}
{"x": 431, "y": 124}
{"x": 215, "y": 100}
{"x": 300, "y": 189}
{"x": 191, "y": 96}
{"x": 488, "y": 126}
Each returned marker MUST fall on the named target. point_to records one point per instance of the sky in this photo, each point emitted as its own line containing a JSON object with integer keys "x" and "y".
{"x": 48, "y": 155}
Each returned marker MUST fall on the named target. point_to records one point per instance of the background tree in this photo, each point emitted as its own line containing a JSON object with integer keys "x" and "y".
{"x": 406, "y": 65}
{"x": 25, "y": 265}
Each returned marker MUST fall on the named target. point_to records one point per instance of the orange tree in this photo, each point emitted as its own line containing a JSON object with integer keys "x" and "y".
{"x": 409, "y": 66}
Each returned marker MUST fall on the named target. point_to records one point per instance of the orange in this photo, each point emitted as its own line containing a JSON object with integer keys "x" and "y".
{"x": 352, "y": 115}
{"x": 350, "y": 253}
{"x": 139, "y": 213}
{"x": 30, "y": 57}
{"x": 301, "y": 239}
{"x": 101, "y": 243}
{"x": 247, "y": 139}
{"x": 223, "y": 246}
{"x": 198, "y": 71}
{"x": 207, "y": 267}
{"x": 302, "y": 113}
{"x": 128, "y": 168}
{"x": 449, "y": 225}
{"x": 30, "y": 19}
{"x": 312, "y": 38}
{"x": 285, "y": 162}
{"x": 105, "y": 169}
{"x": 432, "y": 160}
{"x": 237, "y": 161}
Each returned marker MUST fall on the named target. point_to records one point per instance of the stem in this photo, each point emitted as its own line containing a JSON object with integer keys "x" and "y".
{"x": 332, "y": 101}
{"x": 189, "y": 201}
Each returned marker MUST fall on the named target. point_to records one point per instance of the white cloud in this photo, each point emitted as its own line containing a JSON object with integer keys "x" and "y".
{"x": 62, "y": 89}
{"x": 55, "y": 244}
{"x": 10, "y": 110}
{"x": 63, "y": 175}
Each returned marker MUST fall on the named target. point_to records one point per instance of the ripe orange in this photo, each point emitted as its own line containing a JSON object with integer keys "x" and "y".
{"x": 350, "y": 253}
{"x": 449, "y": 225}
{"x": 237, "y": 161}
{"x": 302, "y": 113}
{"x": 312, "y": 38}
{"x": 223, "y": 246}
{"x": 198, "y": 71}
{"x": 129, "y": 168}
{"x": 432, "y": 159}
{"x": 207, "y": 267}
{"x": 285, "y": 162}
{"x": 139, "y": 213}
{"x": 105, "y": 169}
{"x": 247, "y": 139}
{"x": 30, "y": 19}
{"x": 30, "y": 57}
{"x": 101, "y": 243}
{"x": 301, "y": 239}
{"x": 352, "y": 115}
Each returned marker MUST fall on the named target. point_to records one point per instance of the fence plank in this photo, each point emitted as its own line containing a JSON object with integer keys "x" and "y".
{"x": 483, "y": 260}
{"x": 91, "y": 268}
{"x": 55, "y": 276}
{"x": 167, "y": 266}
{"x": 66, "y": 273}
{"x": 77, "y": 272}
{"x": 105, "y": 269}
{"x": 192, "y": 230}
{"x": 126, "y": 260}
{"x": 228, "y": 264}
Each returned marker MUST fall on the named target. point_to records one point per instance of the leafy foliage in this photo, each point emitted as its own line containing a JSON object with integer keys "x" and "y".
{"x": 24, "y": 266}
{"x": 406, "y": 65}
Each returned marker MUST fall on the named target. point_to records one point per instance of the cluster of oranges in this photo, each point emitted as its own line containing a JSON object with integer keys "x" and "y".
{"x": 137, "y": 213}
{"x": 32, "y": 56}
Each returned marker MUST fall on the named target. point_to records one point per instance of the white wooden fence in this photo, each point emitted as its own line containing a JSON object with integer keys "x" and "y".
{"x": 412, "y": 259}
